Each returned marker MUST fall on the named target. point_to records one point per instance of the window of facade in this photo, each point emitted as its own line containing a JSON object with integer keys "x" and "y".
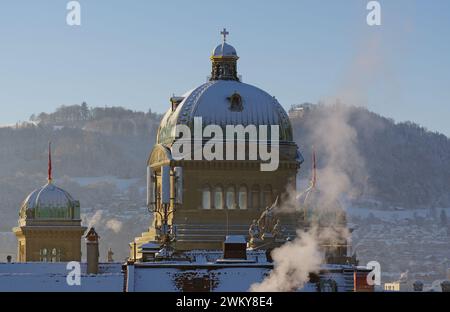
{"x": 230, "y": 198}
{"x": 267, "y": 196}
{"x": 256, "y": 197}
{"x": 43, "y": 254}
{"x": 218, "y": 197}
{"x": 54, "y": 255}
{"x": 243, "y": 202}
{"x": 206, "y": 198}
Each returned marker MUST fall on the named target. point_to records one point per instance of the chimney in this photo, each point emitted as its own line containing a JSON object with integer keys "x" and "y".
{"x": 360, "y": 282}
{"x": 92, "y": 251}
{"x": 235, "y": 247}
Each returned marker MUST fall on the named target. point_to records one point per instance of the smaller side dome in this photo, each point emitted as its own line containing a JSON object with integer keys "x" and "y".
{"x": 50, "y": 202}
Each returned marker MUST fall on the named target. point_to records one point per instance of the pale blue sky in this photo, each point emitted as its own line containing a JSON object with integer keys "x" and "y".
{"x": 137, "y": 53}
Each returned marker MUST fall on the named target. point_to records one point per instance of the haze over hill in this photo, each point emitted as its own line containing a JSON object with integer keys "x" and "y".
{"x": 405, "y": 165}
{"x": 100, "y": 158}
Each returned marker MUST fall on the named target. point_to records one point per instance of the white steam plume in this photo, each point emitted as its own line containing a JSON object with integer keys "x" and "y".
{"x": 95, "y": 219}
{"x": 342, "y": 174}
{"x": 292, "y": 264}
{"x": 114, "y": 224}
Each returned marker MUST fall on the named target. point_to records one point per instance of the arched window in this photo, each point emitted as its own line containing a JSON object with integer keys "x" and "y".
{"x": 218, "y": 197}
{"x": 230, "y": 198}
{"x": 206, "y": 198}
{"x": 243, "y": 197}
{"x": 54, "y": 254}
{"x": 268, "y": 200}
{"x": 255, "y": 197}
{"x": 43, "y": 254}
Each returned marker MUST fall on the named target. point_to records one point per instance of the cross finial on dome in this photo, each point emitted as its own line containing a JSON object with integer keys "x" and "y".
{"x": 224, "y": 33}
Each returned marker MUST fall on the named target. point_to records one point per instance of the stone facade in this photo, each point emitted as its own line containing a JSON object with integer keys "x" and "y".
{"x": 219, "y": 197}
{"x": 202, "y": 226}
{"x": 49, "y": 241}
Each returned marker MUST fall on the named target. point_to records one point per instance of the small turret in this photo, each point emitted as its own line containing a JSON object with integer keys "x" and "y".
{"x": 110, "y": 255}
{"x": 235, "y": 247}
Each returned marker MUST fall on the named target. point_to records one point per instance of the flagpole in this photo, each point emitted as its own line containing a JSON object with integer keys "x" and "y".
{"x": 49, "y": 162}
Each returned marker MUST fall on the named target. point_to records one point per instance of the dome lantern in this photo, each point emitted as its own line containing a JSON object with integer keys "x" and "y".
{"x": 224, "y": 60}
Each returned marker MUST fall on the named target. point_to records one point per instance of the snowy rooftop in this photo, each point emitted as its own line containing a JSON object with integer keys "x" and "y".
{"x": 236, "y": 277}
{"x": 47, "y": 276}
{"x": 158, "y": 276}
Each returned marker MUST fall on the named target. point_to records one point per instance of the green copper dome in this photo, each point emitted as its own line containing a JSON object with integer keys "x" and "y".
{"x": 50, "y": 202}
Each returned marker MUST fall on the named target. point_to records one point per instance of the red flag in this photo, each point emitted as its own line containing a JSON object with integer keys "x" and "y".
{"x": 49, "y": 161}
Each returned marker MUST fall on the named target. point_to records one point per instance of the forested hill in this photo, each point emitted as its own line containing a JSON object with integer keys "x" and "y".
{"x": 86, "y": 142}
{"x": 116, "y": 121}
{"x": 405, "y": 164}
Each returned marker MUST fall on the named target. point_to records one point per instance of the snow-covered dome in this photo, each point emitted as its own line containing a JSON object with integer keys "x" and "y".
{"x": 225, "y": 102}
{"x": 224, "y": 50}
{"x": 50, "y": 202}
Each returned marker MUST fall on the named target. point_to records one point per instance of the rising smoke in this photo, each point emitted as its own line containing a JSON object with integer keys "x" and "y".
{"x": 293, "y": 262}
{"x": 98, "y": 220}
{"x": 341, "y": 174}
{"x": 95, "y": 219}
{"x": 114, "y": 225}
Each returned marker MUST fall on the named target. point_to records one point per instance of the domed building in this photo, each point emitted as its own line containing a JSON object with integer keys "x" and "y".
{"x": 208, "y": 199}
{"x": 49, "y": 227}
